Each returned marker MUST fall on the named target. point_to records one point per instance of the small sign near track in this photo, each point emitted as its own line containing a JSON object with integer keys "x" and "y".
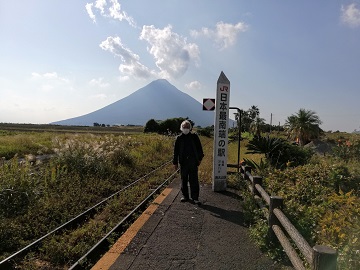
{"x": 208, "y": 104}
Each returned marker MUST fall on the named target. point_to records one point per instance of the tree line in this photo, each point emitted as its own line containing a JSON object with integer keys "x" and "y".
{"x": 168, "y": 126}
{"x": 303, "y": 126}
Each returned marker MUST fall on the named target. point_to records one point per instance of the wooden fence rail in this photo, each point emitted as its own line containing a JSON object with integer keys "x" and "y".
{"x": 318, "y": 257}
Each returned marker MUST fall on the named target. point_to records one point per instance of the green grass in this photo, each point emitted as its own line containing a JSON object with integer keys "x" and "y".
{"x": 25, "y": 143}
{"x": 35, "y": 199}
{"x": 322, "y": 200}
{"x": 322, "y": 197}
{"x": 23, "y": 139}
{"x": 18, "y": 128}
{"x": 205, "y": 169}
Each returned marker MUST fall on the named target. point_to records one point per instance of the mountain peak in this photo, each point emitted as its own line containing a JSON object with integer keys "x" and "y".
{"x": 161, "y": 81}
{"x": 159, "y": 100}
{"x": 160, "y": 84}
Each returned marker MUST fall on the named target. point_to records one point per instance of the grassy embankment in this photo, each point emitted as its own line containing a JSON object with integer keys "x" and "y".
{"x": 34, "y": 199}
{"x": 321, "y": 198}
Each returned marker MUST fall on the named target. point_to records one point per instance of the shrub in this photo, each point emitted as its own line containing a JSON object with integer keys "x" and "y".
{"x": 207, "y": 131}
{"x": 151, "y": 126}
{"x": 36, "y": 199}
{"x": 340, "y": 226}
{"x": 168, "y": 126}
{"x": 18, "y": 193}
{"x": 348, "y": 150}
{"x": 318, "y": 208}
{"x": 171, "y": 126}
{"x": 278, "y": 152}
{"x": 98, "y": 157}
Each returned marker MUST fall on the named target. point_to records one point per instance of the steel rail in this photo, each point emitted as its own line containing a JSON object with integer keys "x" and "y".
{"x": 79, "y": 216}
{"x": 144, "y": 202}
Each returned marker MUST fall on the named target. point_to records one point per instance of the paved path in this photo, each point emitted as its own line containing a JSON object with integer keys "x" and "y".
{"x": 181, "y": 235}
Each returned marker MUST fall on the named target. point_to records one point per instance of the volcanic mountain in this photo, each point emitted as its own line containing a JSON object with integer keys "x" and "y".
{"x": 158, "y": 100}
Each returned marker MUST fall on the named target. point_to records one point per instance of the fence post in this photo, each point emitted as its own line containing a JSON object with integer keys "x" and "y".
{"x": 256, "y": 180}
{"x": 247, "y": 169}
{"x": 275, "y": 202}
{"x": 241, "y": 169}
{"x": 324, "y": 258}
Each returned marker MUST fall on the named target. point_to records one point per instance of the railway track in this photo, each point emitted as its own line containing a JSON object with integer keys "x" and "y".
{"x": 89, "y": 257}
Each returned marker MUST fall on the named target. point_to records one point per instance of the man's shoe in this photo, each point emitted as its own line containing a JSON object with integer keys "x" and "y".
{"x": 183, "y": 199}
{"x": 197, "y": 202}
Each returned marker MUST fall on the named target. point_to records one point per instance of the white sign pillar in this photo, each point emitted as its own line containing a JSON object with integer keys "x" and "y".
{"x": 221, "y": 133}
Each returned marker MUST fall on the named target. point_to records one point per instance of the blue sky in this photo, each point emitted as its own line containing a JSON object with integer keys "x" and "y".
{"x": 63, "y": 58}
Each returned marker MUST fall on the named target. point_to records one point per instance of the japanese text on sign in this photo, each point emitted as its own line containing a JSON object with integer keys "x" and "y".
{"x": 221, "y": 133}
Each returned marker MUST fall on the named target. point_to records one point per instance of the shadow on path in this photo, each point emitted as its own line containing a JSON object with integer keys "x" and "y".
{"x": 234, "y": 216}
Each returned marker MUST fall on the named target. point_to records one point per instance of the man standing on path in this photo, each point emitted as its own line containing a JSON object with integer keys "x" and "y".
{"x": 188, "y": 153}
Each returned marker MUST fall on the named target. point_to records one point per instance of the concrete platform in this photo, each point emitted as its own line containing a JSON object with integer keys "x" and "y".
{"x": 181, "y": 235}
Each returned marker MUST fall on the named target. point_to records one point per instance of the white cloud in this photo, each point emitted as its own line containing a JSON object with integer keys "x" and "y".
{"x": 91, "y": 14}
{"x": 49, "y": 76}
{"x": 100, "y": 4}
{"x": 224, "y": 35}
{"x": 350, "y": 15}
{"x": 171, "y": 51}
{"x": 99, "y": 83}
{"x": 109, "y": 9}
{"x": 195, "y": 85}
{"x": 123, "y": 78}
{"x": 116, "y": 13}
{"x": 131, "y": 65}
{"x": 135, "y": 69}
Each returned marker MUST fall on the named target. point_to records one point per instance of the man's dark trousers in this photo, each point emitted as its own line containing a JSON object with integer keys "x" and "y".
{"x": 189, "y": 174}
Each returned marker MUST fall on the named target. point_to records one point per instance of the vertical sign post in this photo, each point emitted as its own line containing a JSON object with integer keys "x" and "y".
{"x": 221, "y": 133}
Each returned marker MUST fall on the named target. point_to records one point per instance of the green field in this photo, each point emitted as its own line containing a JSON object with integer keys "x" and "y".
{"x": 321, "y": 197}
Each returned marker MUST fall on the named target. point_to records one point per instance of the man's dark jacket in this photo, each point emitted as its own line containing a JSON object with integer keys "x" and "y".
{"x": 187, "y": 147}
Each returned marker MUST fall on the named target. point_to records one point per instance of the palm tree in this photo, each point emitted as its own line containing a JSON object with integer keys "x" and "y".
{"x": 238, "y": 117}
{"x": 253, "y": 112}
{"x": 245, "y": 118}
{"x": 257, "y": 125}
{"x": 304, "y": 125}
